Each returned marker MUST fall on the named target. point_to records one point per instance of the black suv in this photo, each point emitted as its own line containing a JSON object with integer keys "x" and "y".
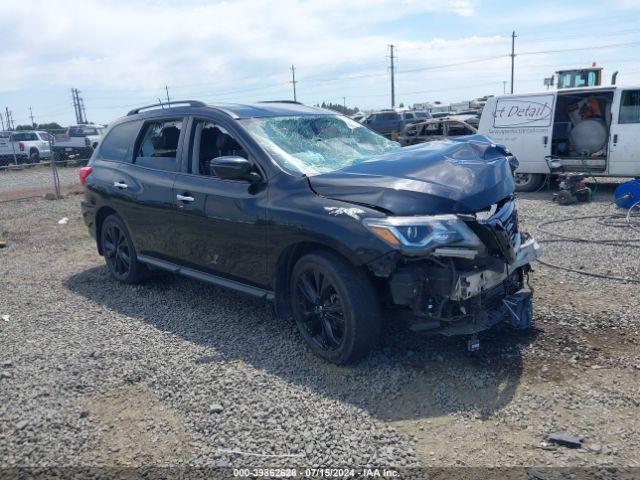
{"x": 308, "y": 209}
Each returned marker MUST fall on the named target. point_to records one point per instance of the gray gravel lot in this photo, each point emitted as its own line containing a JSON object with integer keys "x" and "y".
{"x": 176, "y": 372}
{"x": 35, "y": 181}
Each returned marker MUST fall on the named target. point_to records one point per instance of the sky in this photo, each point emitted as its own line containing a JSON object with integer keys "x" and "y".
{"x": 123, "y": 54}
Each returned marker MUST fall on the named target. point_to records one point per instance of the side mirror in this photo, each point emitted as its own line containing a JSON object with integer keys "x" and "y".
{"x": 233, "y": 168}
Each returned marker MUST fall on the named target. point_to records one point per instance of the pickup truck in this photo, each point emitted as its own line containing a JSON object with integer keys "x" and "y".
{"x": 78, "y": 142}
{"x": 14, "y": 151}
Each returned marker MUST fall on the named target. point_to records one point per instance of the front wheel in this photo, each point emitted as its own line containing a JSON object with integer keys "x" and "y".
{"x": 119, "y": 252}
{"x": 528, "y": 182}
{"x": 335, "y": 307}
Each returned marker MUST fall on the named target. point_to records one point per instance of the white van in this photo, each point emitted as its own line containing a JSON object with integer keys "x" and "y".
{"x": 594, "y": 129}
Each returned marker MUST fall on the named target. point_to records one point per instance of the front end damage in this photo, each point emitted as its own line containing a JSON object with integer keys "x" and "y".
{"x": 463, "y": 290}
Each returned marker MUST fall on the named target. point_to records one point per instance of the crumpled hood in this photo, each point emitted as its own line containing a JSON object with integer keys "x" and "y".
{"x": 460, "y": 175}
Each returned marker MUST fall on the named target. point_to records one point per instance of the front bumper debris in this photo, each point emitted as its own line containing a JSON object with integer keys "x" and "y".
{"x": 473, "y": 283}
{"x": 456, "y": 294}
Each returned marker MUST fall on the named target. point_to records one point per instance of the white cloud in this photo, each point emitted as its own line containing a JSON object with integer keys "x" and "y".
{"x": 145, "y": 45}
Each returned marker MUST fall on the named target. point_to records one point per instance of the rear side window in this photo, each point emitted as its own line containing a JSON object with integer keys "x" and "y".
{"x": 119, "y": 142}
{"x": 409, "y": 116}
{"x": 630, "y": 107}
{"x": 158, "y": 147}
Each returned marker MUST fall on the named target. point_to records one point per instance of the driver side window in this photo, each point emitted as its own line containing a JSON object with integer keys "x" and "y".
{"x": 208, "y": 141}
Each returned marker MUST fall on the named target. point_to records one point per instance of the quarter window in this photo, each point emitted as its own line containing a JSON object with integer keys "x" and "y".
{"x": 159, "y": 145}
{"x": 118, "y": 144}
{"x": 630, "y": 107}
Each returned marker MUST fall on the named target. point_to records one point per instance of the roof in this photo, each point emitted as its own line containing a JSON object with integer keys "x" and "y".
{"x": 240, "y": 110}
{"x": 564, "y": 91}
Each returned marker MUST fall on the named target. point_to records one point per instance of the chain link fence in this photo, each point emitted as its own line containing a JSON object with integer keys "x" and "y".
{"x": 23, "y": 174}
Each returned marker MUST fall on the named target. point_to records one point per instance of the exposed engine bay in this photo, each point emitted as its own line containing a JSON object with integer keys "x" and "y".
{"x": 457, "y": 291}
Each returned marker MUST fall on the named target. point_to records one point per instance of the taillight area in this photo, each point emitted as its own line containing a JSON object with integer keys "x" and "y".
{"x": 21, "y": 146}
{"x": 84, "y": 173}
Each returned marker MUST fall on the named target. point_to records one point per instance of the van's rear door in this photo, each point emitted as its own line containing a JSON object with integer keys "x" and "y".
{"x": 524, "y": 124}
{"x": 624, "y": 138}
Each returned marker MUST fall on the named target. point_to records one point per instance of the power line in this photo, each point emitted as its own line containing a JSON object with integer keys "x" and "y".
{"x": 576, "y": 49}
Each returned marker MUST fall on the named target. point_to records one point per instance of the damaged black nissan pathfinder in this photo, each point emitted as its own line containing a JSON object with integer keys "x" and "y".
{"x": 333, "y": 223}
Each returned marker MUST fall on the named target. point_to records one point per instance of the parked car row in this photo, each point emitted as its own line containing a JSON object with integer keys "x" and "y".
{"x": 399, "y": 124}
{"x": 32, "y": 146}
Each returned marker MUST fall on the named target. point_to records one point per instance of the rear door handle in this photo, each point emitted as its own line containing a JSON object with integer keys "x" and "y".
{"x": 185, "y": 198}
{"x": 121, "y": 185}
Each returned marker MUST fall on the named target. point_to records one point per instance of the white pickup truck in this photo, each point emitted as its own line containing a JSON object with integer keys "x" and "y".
{"x": 78, "y": 142}
{"x": 17, "y": 148}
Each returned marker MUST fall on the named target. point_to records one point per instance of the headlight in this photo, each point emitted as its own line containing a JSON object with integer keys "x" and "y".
{"x": 419, "y": 235}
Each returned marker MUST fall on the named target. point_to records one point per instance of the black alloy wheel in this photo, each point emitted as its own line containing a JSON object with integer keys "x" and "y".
{"x": 335, "y": 307}
{"x": 321, "y": 308}
{"x": 116, "y": 251}
{"x": 119, "y": 253}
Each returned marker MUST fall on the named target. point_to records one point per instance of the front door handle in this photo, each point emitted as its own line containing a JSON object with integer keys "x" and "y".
{"x": 185, "y": 198}
{"x": 121, "y": 185}
{"x": 615, "y": 138}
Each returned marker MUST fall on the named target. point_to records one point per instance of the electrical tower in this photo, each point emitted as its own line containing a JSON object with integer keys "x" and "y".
{"x": 393, "y": 72}
{"x": 33, "y": 122}
{"x": 78, "y": 107}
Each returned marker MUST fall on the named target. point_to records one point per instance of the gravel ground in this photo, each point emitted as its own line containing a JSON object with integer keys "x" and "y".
{"x": 36, "y": 181}
{"x": 176, "y": 372}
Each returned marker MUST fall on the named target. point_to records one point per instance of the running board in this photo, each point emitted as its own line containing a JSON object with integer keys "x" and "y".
{"x": 207, "y": 277}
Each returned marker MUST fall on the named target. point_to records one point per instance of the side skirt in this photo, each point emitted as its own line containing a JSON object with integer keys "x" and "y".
{"x": 207, "y": 277}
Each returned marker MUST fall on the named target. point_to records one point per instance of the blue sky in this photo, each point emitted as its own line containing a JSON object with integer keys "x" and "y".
{"x": 121, "y": 54}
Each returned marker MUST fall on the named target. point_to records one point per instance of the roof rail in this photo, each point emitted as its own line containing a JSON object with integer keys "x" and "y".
{"x": 191, "y": 103}
{"x": 281, "y": 101}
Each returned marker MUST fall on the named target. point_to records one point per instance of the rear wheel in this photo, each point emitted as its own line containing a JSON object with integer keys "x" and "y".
{"x": 528, "y": 182}
{"x": 34, "y": 156}
{"x": 335, "y": 307}
{"x": 119, "y": 252}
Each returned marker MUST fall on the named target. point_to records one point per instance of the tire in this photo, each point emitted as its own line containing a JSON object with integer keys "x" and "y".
{"x": 119, "y": 252}
{"x": 528, "y": 182}
{"x": 34, "y": 156}
{"x": 335, "y": 307}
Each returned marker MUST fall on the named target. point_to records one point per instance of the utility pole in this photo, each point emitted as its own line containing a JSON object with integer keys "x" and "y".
{"x": 392, "y": 68}
{"x": 504, "y": 86}
{"x": 33, "y": 122}
{"x": 75, "y": 105}
{"x": 293, "y": 81}
{"x": 344, "y": 102}
{"x": 83, "y": 113}
{"x": 168, "y": 99}
{"x": 513, "y": 55}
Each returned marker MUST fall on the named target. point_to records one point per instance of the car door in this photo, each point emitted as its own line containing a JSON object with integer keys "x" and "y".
{"x": 43, "y": 144}
{"x": 143, "y": 188}
{"x": 624, "y": 137}
{"x": 220, "y": 224}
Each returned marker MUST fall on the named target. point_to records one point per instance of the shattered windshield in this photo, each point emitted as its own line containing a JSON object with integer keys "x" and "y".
{"x": 314, "y": 144}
